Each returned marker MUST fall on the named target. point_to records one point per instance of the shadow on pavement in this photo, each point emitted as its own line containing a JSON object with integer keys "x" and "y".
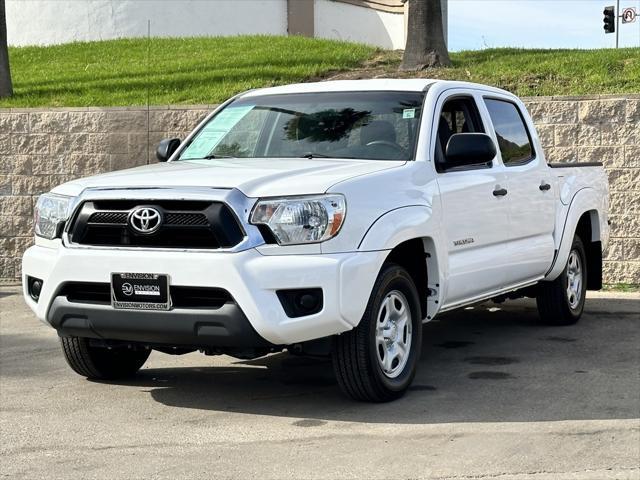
{"x": 492, "y": 363}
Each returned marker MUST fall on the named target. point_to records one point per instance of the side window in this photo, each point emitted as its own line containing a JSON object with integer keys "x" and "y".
{"x": 458, "y": 115}
{"x": 512, "y": 134}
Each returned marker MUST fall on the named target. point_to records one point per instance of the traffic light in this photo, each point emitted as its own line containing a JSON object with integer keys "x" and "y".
{"x": 609, "y": 19}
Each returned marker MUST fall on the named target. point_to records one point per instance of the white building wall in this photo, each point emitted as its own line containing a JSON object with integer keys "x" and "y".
{"x": 342, "y": 21}
{"x": 45, "y": 22}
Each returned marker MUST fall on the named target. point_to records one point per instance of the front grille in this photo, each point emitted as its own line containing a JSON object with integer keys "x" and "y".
{"x": 186, "y": 224}
{"x": 171, "y": 219}
{"x": 186, "y": 219}
{"x": 116, "y": 218}
{"x": 181, "y": 297}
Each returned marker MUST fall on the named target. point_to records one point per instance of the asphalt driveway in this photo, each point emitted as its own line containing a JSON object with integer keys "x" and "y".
{"x": 496, "y": 396}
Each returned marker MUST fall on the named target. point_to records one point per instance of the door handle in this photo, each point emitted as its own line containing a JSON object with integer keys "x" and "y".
{"x": 544, "y": 187}
{"x": 500, "y": 192}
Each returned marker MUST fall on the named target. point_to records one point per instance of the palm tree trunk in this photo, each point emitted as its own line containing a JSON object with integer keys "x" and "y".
{"x": 426, "y": 46}
{"x": 6, "y": 88}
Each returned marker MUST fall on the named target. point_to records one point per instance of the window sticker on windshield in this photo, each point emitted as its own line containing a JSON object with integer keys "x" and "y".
{"x": 409, "y": 113}
{"x": 214, "y": 131}
{"x": 203, "y": 144}
{"x": 228, "y": 118}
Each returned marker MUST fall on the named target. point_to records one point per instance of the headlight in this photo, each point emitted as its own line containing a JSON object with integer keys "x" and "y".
{"x": 296, "y": 220}
{"x": 50, "y": 214}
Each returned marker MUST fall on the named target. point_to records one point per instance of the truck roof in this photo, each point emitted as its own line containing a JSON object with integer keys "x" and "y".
{"x": 377, "y": 84}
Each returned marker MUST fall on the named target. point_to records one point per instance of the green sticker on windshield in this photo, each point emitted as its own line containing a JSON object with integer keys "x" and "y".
{"x": 409, "y": 113}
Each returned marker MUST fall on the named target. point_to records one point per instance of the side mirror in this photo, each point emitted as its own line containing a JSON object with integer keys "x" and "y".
{"x": 166, "y": 148}
{"x": 469, "y": 149}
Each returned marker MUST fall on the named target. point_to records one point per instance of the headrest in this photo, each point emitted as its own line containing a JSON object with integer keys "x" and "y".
{"x": 377, "y": 130}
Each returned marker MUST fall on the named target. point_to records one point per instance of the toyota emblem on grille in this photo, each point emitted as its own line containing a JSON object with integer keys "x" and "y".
{"x": 145, "y": 220}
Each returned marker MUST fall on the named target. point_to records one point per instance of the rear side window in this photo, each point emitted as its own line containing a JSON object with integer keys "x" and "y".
{"x": 513, "y": 137}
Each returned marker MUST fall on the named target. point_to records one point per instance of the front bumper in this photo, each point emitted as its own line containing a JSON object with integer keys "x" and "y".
{"x": 224, "y": 327}
{"x": 251, "y": 278}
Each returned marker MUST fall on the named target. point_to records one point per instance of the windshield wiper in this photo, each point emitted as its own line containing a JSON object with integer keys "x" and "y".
{"x": 311, "y": 155}
{"x": 212, "y": 156}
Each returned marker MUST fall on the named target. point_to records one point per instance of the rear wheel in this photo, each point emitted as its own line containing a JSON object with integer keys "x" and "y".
{"x": 101, "y": 362}
{"x": 561, "y": 302}
{"x": 377, "y": 360}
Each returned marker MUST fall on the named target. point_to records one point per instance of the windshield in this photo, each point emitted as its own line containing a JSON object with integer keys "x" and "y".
{"x": 359, "y": 125}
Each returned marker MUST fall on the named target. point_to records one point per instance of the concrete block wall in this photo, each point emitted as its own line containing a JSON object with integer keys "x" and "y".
{"x": 601, "y": 129}
{"x": 41, "y": 148}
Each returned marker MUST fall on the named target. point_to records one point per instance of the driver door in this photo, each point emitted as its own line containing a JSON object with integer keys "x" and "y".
{"x": 474, "y": 215}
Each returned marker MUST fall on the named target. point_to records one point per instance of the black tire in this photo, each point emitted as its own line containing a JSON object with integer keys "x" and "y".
{"x": 555, "y": 304}
{"x": 99, "y": 362}
{"x": 355, "y": 353}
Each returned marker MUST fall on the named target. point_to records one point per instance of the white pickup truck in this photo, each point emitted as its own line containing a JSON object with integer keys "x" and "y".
{"x": 335, "y": 217}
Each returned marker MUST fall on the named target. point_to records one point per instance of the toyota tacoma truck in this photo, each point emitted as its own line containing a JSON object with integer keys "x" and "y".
{"x": 333, "y": 217}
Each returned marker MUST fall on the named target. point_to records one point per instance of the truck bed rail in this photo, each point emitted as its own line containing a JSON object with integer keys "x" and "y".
{"x": 576, "y": 164}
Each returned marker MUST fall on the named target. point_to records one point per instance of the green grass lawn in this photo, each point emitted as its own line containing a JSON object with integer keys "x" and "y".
{"x": 209, "y": 70}
{"x": 183, "y": 70}
{"x": 530, "y": 72}
{"x": 622, "y": 287}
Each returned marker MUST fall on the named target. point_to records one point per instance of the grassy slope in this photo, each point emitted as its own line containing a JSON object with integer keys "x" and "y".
{"x": 189, "y": 71}
{"x": 556, "y": 72}
{"x": 531, "y": 72}
{"x": 209, "y": 70}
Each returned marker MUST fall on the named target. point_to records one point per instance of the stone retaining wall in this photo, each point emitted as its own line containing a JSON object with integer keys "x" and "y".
{"x": 41, "y": 148}
{"x": 603, "y": 129}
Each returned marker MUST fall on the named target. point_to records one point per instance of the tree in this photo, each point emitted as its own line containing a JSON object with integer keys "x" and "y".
{"x": 425, "y": 36}
{"x": 6, "y": 88}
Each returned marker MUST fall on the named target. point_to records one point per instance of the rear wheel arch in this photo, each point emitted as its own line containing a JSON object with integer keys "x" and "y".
{"x": 583, "y": 218}
{"x": 588, "y": 229}
{"x": 561, "y": 301}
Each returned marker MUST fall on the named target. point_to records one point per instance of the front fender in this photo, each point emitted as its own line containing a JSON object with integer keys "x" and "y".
{"x": 397, "y": 226}
{"x": 408, "y": 223}
{"x": 585, "y": 200}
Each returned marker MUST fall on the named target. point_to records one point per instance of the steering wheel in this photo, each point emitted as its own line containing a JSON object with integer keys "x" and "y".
{"x": 386, "y": 143}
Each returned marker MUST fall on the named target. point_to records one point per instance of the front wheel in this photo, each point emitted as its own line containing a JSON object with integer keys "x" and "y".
{"x": 100, "y": 362}
{"x": 561, "y": 301}
{"x": 377, "y": 360}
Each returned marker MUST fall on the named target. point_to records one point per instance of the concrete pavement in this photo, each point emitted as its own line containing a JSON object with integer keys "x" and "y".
{"x": 496, "y": 396}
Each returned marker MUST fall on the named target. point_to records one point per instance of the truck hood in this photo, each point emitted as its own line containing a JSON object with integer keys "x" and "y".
{"x": 254, "y": 177}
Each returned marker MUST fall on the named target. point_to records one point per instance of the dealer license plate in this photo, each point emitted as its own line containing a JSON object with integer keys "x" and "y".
{"x": 140, "y": 291}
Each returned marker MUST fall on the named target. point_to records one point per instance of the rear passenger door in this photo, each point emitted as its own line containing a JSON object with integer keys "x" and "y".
{"x": 474, "y": 219}
{"x": 530, "y": 192}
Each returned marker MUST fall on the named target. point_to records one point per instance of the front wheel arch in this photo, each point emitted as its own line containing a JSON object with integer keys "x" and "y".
{"x": 411, "y": 255}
